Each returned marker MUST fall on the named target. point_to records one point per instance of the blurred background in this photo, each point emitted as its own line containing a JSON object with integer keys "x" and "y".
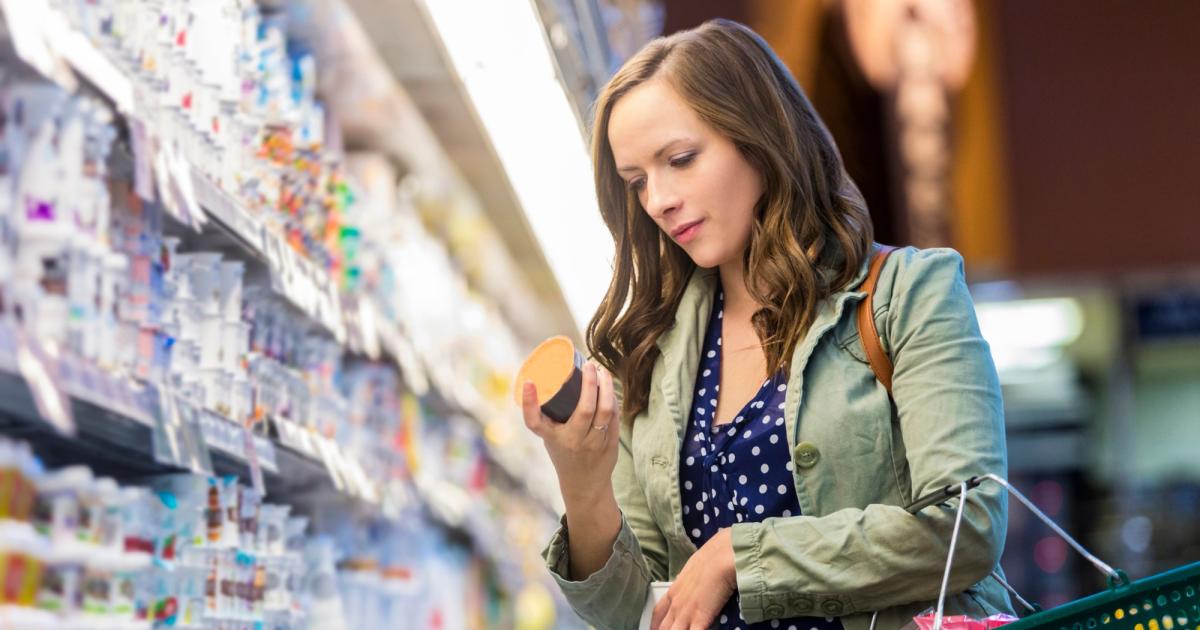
{"x": 1056, "y": 145}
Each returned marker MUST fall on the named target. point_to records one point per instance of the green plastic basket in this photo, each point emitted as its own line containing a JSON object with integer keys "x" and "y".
{"x": 1167, "y": 601}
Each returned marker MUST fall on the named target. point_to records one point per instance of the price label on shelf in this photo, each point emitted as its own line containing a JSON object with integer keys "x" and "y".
{"x": 107, "y": 390}
{"x": 127, "y": 401}
{"x": 285, "y": 274}
{"x": 226, "y": 210}
{"x": 177, "y": 440}
{"x": 40, "y": 371}
{"x": 356, "y": 477}
{"x": 308, "y": 443}
{"x": 143, "y": 164}
{"x": 146, "y": 402}
{"x": 410, "y": 364}
{"x": 368, "y": 316}
{"x": 167, "y": 439}
{"x": 329, "y": 301}
{"x": 288, "y": 275}
{"x": 8, "y": 348}
{"x": 210, "y": 197}
{"x": 299, "y": 283}
{"x": 196, "y": 455}
{"x": 70, "y": 378}
{"x": 162, "y": 177}
{"x": 329, "y": 456}
{"x": 265, "y": 449}
{"x": 305, "y": 285}
{"x": 349, "y": 475}
{"x": 287, "y": 435}
{"x": 366, "y": 489}
{"x": 250, "y": 450}
{"x": 96, "y": 387}
{"x": 184, "y": 188}
{"x": 223, "y": 434}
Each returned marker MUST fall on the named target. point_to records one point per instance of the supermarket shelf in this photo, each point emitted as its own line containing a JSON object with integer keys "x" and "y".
{"x": 125, "y": 430}
{"x": 404, "y": 37}
{"x": 513, "y": 470}
{"x": 309, "y": 288}
{"x": 372, "y": 335}
{"x": 115, "y": 444}
{"x": 359, "y": 325}
{"x": 121, "y": 445}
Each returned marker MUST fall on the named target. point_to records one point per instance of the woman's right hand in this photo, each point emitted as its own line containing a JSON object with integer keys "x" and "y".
{"x": 584, "y": 448}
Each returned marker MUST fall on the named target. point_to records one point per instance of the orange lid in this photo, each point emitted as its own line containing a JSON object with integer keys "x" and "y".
{"x": 548, "y": 366}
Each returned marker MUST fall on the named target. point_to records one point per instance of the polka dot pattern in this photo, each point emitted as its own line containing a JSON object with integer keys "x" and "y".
{"x": 740, "y": 472}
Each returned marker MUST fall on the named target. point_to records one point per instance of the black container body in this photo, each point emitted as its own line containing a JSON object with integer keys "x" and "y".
{"x": 560, "y": 407}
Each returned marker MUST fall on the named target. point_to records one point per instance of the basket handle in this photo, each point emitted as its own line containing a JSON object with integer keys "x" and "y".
{"x": 1115, "y": 578}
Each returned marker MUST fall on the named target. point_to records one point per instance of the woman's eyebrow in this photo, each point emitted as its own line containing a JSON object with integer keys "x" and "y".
{"x": 657, "y": 154}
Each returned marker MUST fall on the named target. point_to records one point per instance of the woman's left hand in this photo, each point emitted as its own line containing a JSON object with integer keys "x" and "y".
{"x": 700, "y": 591}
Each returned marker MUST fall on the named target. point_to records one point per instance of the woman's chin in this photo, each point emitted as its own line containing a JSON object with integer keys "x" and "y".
{"x": 707, "y": 260}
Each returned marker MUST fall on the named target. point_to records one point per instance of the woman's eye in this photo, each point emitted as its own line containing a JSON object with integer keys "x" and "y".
{"x": 683, "y": 160}
{"x": 637, "y": 185}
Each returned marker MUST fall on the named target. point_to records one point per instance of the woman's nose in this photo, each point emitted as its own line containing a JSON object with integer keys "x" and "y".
{"x": 661, "y": 200}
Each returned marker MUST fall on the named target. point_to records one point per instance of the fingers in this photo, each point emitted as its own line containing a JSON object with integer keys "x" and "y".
{"x": 594, "y": 418}
{"x": 580, "y": 422}
{"x": 605, "y": 406}
{"x": 687, "y": 605}
{"x": 661, "y": 609}
{"x": 531, "y": 411}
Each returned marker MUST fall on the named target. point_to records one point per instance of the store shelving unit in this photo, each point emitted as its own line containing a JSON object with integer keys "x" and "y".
{"x": 117, "y": 428}
{"x": 456, "y": 458}
{"x": 116, "y": 433}
{"x": 402, "y": 35}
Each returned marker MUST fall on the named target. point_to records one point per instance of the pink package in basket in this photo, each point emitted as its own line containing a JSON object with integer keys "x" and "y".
{"x": 963, "y": 622}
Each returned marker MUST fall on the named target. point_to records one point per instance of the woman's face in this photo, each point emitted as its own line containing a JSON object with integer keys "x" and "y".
{"x": 691, "y": 180}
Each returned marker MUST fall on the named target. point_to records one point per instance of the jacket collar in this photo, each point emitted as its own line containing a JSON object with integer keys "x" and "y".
{"x": 692, "y": 314}
{"x": 682, "y": 343}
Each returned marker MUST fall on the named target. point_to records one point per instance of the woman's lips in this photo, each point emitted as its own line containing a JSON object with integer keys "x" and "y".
{"x": 687, "y": 232}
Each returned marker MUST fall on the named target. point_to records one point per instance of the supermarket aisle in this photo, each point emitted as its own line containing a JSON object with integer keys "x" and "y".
{"x": 248, "y": 377}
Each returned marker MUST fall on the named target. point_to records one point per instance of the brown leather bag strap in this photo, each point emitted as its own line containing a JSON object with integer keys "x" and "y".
{"x": 881, "y": 364}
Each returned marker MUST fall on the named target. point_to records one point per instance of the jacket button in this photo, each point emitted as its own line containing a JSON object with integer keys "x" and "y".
{"x": 807, "y": 455}
{"x": 773, "y": 611}
{"x": 831, "y": 608}
{"x": 800, "y": 603}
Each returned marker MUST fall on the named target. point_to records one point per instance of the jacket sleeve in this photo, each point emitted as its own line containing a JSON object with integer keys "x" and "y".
{"x": 613, "y": 597}
{"x": 950, "y": 416}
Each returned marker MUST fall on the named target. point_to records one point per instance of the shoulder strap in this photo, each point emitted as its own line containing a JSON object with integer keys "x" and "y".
{"x": 881, "y": 364}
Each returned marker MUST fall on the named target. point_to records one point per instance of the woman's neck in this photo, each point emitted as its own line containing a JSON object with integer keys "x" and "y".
{"x": 739, "y": 304}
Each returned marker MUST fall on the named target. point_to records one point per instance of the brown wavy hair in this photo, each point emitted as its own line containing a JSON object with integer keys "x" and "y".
{"x": 811, "y": 230}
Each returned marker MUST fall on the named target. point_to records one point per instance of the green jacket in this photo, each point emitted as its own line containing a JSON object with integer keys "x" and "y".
{"x": 857, "y": 461}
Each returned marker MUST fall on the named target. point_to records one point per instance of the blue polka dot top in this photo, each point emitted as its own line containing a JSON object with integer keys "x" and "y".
{"x": 740, "y": 471}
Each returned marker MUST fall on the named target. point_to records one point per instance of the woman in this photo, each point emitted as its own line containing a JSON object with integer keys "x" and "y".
{"x": 755, "y": 460}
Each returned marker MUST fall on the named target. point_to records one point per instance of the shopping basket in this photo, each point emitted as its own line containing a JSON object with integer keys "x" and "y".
{"x": 1167, "y": 601}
